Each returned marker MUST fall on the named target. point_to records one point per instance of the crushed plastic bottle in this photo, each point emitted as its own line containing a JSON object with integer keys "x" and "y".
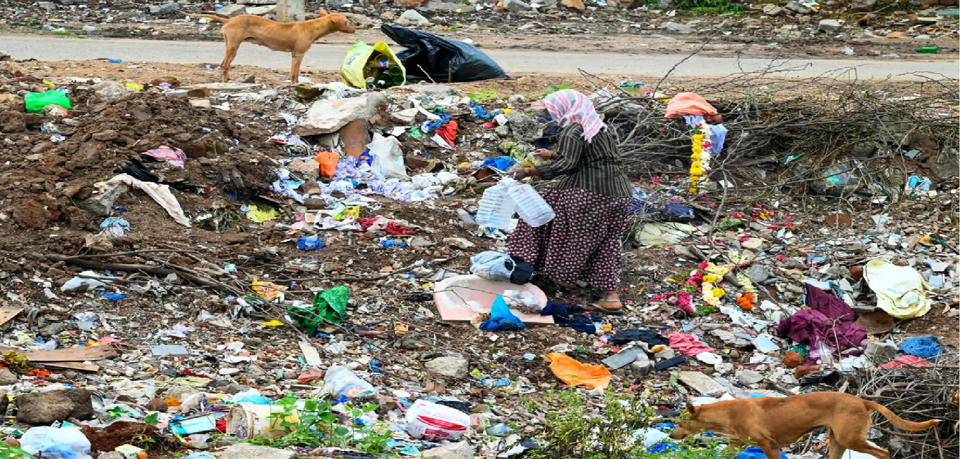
{"x": 496, "y": 207}
{"x": 530, "y": 205}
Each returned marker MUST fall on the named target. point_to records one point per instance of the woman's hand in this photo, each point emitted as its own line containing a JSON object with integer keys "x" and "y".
{"x": 544, "y": 153}
{"x": 520, "y": 173}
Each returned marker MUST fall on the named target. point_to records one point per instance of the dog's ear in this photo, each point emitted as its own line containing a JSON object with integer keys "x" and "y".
{"x": 691, "y": 409}
{"x": 322, "y": 12}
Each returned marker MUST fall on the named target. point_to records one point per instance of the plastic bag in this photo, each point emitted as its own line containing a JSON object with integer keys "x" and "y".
{"x": 688, "y": 103}
{"x": 35, "y": 101}
{"x": 443, "y": 59}
{"x": 328, "y": 304}
{"x": 574, "y": 373}
{"x": 492, "y": 266}
{"x": 387, "y": 157}
{"x": 352, "y": 70}
{"x": 341, "y": 382}
{"x": 501, "y": 318}
{"x": 901, "y": 290}
{"x": 433, "y": 422}
{"x": 328, "y": 163}
{"x": 56, "y": 443}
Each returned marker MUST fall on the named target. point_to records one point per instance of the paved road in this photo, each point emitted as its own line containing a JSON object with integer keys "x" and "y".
{"x": 329, "y": 57}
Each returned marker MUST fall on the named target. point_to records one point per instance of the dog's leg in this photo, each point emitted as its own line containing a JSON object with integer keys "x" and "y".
{"x": 770, "y": 448}
{"x": 861, "y": 446}
{"x": 836, "y": 449}
{"x": 295, "y": 67}
{"x": 228, "y": 58}
{"x": 853, "y": 435}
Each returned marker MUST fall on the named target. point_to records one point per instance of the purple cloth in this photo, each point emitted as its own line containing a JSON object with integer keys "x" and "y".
{"x": 828, "y": 318}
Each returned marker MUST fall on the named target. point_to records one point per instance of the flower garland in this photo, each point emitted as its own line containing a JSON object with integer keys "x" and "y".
{"x": 700, "y": 159}
{"x": 712, "y": 293}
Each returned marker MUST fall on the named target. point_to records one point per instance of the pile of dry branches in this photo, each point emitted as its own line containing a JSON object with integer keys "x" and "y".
{"x": 918, "y": 394}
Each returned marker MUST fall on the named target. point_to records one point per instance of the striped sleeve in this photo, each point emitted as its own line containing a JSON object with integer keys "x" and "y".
{"x": 570, "y": 150}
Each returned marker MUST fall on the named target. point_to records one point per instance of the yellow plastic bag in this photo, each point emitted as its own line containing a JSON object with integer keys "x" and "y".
{"x": 574, "y": 373}
{"x": 352, "y": 70}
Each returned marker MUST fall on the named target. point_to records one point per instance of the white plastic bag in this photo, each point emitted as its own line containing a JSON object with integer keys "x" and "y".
{"x": 340, "y": 381}
{"x": 432, "y": 422}
{"x": 56, "y": 443}
{"x": 387, "y": 157}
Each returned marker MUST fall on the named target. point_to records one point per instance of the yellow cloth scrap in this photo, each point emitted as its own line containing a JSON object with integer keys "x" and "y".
{"x": 268, "y": 290}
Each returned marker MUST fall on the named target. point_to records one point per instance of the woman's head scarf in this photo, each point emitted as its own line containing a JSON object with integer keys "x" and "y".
{"x": 568, "y": 106}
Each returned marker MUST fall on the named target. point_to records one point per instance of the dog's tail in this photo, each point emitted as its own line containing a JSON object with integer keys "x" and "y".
{"x": 897, "y": 421}
{"x": 207, "y": 16}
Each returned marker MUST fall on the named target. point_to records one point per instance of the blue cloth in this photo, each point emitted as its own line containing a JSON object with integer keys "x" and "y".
{"x": 926, "y": 347}
{"x": 664, "y": 447}
{"x": 501, "y": 318}
{"x": 503, "y": 163}
{"x": 569, "y": 315}
{"x": 478, "y": 110}
{"x": 718, "y": 135}
{"x": 754, "y": 452}
{"x": 693, "y": 120}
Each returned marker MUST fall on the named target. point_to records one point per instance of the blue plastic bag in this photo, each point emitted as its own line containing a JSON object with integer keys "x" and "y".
{"x": 754, "y": 452}
{"x": 501, "y": 318}
{"x": 926, "y": 347}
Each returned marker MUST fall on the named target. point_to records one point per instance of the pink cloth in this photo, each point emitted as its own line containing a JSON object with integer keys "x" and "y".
{"x": 687, "y": 345}
{"x": 569, "y": 106}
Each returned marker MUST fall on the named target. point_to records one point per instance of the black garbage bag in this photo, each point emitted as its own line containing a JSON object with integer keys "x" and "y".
{"x": 443, "y": 59}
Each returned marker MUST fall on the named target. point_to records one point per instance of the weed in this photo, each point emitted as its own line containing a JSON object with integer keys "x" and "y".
{"x": 64, "y": 33}
{"x": 319, "y": 425}
{"x": 708, "y": 6}
{"x": 483, "y": 95}
{"x": 10, "y": 452}
{"x": 554, "y": 88}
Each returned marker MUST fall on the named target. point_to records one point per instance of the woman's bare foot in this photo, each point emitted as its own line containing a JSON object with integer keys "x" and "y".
{"x": 610, "y": 302}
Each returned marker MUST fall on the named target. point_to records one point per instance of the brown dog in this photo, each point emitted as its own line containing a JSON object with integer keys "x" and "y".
{"x": 294, "y": 37}
{"x": 770, "y": 422}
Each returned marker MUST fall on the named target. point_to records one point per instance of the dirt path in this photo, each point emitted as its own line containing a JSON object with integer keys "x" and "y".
{"x": 329, "y": 57}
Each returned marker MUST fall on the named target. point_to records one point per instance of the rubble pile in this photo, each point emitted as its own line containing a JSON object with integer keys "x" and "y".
{"x": 227, "y": 270}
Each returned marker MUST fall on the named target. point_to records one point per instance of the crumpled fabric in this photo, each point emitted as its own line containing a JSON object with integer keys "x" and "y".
{"x": 380, "y": 223}
{"x": 925, "y": 347}
{"x": 501, "y": 318}
{"x": 173, "y": 156}
{"x": 828, "y": 319}
{"x": 503, "y": 163}
{"x": 647, "y": 336}
{"x": 160, "y": 193}
{"x": 718, "y": 136}
{"x": 901, "y": 290}
{"x": 574, "y": 373}
{"x": 687, "y": 345}
{"x": 448, "y": 132}
{"x": 570, "y": 315}
{"x": 688, "y": 103}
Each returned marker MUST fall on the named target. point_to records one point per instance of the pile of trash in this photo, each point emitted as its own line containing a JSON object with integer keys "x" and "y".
{"x": 232, "y": 270}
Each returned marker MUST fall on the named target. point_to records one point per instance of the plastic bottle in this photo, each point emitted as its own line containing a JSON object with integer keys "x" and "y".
{"x": 496, "y": 207}
{"x": 530, "y": 205}
{"x": 340, "y": 381}
{"x": 928, "y": 50}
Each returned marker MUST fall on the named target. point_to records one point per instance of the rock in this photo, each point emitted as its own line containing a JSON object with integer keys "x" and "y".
{"x": 796, "y": 7}
{"x": 167, "y": 9}
{"x": 460, "y": 450}
{"x": 455, "y": 366}
{"x": 231, "y": 11}
{"x": 328, "y": 116}
{"x": 104, "y": 136}
{"x": 828, "y": 25}
{"x": 11, "y": 102}
{"x": 412, "y": 18}
{"x": 31, "y": 214}
{"x": 862, "y": 6}
{"x": 516, "y": 5}
{"x": 4, "y": 404}
{"x": 517, "y": 99}
{"x": 772, "y": 10}
{"x": 749, "y": 377}
{"x": 792, "y": 359}
{"x": 157, "y": 404}
{"x": 665, "y": 354}
{"x": 247, "y": 451}
{"x": 101, "y": 205}
{"x": 7, "y": 377}
{"x": 753, "y": 243}
{"x": 198, "y": 93}
{"x": 574, "y": 4}
{"x": 880, "y": 353}
{"x": 261, "y": 10}
{"x": 12, "y": 122}
{"x": 758, "y": 273}
{"x": 359, "y": 21}
{"x": 944, "y": 164}
{"x": 307, "y": 167}
{"x": 677, "y": 28}
{"x": 420, "y": 242}
{"x": 665, "y": 4}
{"x": 45, "y": 408}
{"x": 642, "y": 366}
{"x": 459, "y": 242}
{"x": 524, "y": 127}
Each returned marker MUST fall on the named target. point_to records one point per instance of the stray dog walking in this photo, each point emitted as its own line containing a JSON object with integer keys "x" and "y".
{"x": 295, "y": 37}
{"x": 772, "y": 422}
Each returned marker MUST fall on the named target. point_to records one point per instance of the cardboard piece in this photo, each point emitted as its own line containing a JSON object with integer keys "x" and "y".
{"x": 450, "y": 295}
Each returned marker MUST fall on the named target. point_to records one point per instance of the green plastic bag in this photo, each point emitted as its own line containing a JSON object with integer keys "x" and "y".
{"x": 35, "y": 101}
{"x": 352, "y": 70}
{"x": 327, "y": 305}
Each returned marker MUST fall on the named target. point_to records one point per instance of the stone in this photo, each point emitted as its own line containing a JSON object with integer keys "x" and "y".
{"x": 455, "y": 366}
{"x": 862, "y": 6}
{"x": 524, "y": 127}
{"x": 328, "y": 116}
{"x": 797, "y": 8}
{"x": 753, "y": 243}
{"x": 359, "y": 21}
{"x": 12, "y": 122}
{"x": 31, "y": 214}
{"x": 459, "y": 243}
{"x": 749, "y": 377}
{"x": 7, "y": 377}
{"x": 459, "y": 450}
{"x": 247, "y": 451}
{"x": 11, "y": 102}
{"x": 772, "y": 10}
{"x": 420, "y": 242}
{"x": 642, "y": 366}
{"x": 700, "y": 382}
{"x": 574, "y": 4}
{"x": 880, "y": 353}
{"x": 157, "y": 404}
{"x": 665, "y": 354}
{"x": 828, "y": 25}
{"x": 198, "y": 93}
{"x": 516, "y": 6}
{"x": 759, "y": 273}
{"x": 231, "y": 11}
{"x": 89, "y": 28}
{"x": 309, "y": 168}
{"x": 623, "y": 358}
{"x": 666, "y": 4}
{"x": 104, "y": 136}
{"x": 45, "y": 408}
{"x": 517, "y": 99}
{"x": 261, "y": 10}
{"x": 411, "y": 18}
{"x": 101, "y": 204}
{"x": 676, "y": 28}
{"x": 792, "y": 359}
{"x": 944, "y": 164}
{"x": 167, "y": 9}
